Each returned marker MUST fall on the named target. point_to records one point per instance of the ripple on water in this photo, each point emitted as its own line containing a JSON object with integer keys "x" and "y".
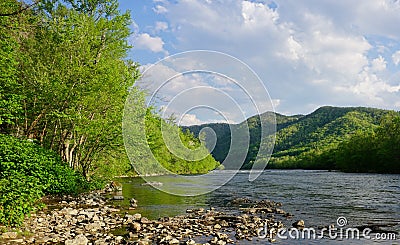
{"x": 318, "y": 197}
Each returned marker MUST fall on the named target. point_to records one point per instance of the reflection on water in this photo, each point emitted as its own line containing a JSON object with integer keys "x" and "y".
{"x": 317, "y": 197}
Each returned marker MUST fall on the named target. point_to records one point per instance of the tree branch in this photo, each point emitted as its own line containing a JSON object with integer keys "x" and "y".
{"x": 20, "y": 10}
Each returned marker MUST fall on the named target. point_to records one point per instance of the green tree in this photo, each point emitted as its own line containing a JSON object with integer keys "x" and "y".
{"x": 74, "y": 79}
{"x": 10, "y": 99}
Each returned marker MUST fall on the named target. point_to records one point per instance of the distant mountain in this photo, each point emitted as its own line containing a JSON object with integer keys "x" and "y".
{"x": 296, "y": 135}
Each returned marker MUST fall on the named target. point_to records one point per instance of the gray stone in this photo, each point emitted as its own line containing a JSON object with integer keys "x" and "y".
{"x": 118, "y": 198}
{"x": 78, "y": 240}
{"x": 93, "y": 226}
{"x": 137, "y": 217}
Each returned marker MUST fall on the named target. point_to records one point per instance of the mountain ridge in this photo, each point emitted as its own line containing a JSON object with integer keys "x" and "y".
{"x": 295, "y": 135}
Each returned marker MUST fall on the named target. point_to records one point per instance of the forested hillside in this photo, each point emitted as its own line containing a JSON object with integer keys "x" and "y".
{"x": 311, "y": 141}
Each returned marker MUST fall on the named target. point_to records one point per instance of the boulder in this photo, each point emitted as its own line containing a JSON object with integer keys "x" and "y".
{"x": 299, "y": 224}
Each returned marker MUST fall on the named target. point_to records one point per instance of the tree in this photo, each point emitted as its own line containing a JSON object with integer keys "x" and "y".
{"x": 10, "y": 100}
{"x": 73, "y": 78}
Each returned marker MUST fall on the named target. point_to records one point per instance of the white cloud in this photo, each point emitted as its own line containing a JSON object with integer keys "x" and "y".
{"x": 189, "y": 119}
{"x": 378, "y": 64}
{"x": 145, "y": 41}
{"x": 161, "y": 26}
{"x": 307, "y": 52}
{"x": 159, "y": 9}
{"x": 396, "y": 57}
{"x": 257, "y": 15}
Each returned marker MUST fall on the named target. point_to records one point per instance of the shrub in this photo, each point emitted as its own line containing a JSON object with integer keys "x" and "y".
{"x": 27, "y": 172}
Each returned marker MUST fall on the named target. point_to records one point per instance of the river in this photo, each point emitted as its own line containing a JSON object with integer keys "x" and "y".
{"x": 317, "y": 197}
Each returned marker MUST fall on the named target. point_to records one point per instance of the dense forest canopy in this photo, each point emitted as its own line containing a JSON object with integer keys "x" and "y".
{"x": 354, "y": 139}
{"x": 66, "y": 76}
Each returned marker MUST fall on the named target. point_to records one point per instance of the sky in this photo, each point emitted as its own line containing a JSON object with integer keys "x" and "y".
{"x": 307, "y": 53}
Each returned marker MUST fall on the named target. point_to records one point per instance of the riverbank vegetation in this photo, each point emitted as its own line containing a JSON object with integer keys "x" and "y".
{"x": 188, "y": 155}
{"x": 64, "y": 79}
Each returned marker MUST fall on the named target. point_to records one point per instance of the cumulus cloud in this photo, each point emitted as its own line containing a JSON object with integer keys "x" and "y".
{"x": 379, "y": 64}
{"x": 396, "y": 57}
{"x": 145, "y": 41}
{"x": 372, "y": 87}
{"x": 308, "y": 53}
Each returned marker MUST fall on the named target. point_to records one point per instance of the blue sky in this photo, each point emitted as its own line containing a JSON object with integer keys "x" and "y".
{"x": 308, "y": 53}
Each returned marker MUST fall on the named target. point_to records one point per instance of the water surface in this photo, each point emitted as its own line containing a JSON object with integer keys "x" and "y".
{"x": 317, "y": 197}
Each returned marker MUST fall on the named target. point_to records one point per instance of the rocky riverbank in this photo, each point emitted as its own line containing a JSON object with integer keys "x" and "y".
{"x": 89, "y": 219}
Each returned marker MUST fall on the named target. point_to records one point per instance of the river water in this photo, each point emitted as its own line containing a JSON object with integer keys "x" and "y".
{"x": 317, "y": 197}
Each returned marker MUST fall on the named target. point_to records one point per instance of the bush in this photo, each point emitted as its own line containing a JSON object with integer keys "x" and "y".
{"x": 27, "y": 172}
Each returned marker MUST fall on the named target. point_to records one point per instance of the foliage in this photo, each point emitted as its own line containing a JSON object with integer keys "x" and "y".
{"x": 318, "y": 140}
{"x": 176, "y": 150}
{"x": 28, "y": 171}
{"x": 376, "y": 151}
{"x": 10, "y": 100}
{"x": 67, "y": 77}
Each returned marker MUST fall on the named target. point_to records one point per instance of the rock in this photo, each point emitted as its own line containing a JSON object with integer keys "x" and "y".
{"x": 299, "y": 224}
{"x": 144, "y": 242}
{"x": 217, "y": 226}
{"x": 119, "y": 239}
{"x": 136, "y": 226}
{"x": 42, "y": 240}
{"x": 93, "y": 226}
{"x": 113, "y": 210}
{"x": 214, "y": 240}
{"x": 190, "y": 242}
{"x": 280, "y": 211}
{"x": 9, "y": 235}
{"x": 222, "y": 236}
{"x": 95, "y": 218}
{"x": 78, "y": 240}
{"x": 174, "y": 241}
{"x": 240, "y": 201}
{"x": 199, "y": 210}
{"x": 81, "y": 218}
{"x": 118, "y": 198}
{"x": 144, "y": 220}
{"x": 137, "y": 217}
{"x": 133, "y": 203}
{"x": 17, "y": 241}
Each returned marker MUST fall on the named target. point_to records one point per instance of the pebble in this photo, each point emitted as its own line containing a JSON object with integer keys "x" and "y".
{"x": 74, "y": 222}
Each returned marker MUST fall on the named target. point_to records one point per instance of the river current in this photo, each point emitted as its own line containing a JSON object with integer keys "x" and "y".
{"x": 319, "y": 198}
